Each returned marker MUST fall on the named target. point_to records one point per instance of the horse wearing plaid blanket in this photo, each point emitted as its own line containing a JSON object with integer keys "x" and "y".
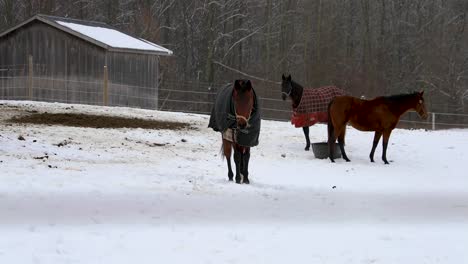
{"x": 309, "y": 105}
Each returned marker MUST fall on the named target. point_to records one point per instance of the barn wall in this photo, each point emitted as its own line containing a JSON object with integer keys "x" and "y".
{"x": 13, "y": 83}
{"x": 70, "y": 70}
{"x": 66, "y": 68}
{"x": 133, "y": 80}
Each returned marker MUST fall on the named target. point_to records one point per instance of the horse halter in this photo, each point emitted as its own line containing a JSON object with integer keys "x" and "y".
{"x": 246, "y": 119}
{"x": 288, "y": 93}
{"x": 421, "y": 110}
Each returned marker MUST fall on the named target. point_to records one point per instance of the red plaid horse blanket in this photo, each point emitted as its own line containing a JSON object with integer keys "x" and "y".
{"x": 313, "y": 106}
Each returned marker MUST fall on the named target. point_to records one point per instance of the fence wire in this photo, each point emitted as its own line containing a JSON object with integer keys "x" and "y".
{"x": 185, "y": 97}
{"x": 172, "y": 95}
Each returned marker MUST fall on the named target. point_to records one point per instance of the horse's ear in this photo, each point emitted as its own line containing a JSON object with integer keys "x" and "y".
{"x": 248, "y": 85}
{"x": 237, "y": 85}
{"x": 421, "y": 93}
{"x": 289, "y": 77}
{"x": 284, "y": 78}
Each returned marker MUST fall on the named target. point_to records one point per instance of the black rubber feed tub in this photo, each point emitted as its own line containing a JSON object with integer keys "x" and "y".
{"x": 320, "y": 150}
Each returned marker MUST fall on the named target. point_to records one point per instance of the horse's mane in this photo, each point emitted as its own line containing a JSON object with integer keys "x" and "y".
{"x": 399, "y": 97}
{"x": 296, "y": 84}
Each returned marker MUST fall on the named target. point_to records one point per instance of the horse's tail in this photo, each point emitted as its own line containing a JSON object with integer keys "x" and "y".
{"x": 331, "y": 132}
{"x": 331, "y": 128}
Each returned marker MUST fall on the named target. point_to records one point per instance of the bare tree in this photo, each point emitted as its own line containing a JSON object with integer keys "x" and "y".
{"x": 368, "y": 47}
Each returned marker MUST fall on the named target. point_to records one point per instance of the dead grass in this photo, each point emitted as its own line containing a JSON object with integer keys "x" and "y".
{"x": 96, "y": 121}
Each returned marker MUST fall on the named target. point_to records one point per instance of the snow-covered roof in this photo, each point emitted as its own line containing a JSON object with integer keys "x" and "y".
{"x": 114, "y": 38}
{"x": 100, "y": 34}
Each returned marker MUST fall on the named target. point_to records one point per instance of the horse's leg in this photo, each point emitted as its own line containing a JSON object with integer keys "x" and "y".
{"x": 386, "y": 137}
{"x": 306, "y": 134}
{"x": 331, "y": 138}
{"x": 238, "y": 161}
{"x": 341, "y": 137}
{"x": 377, "y": 136}
{"x": 227, "y": 150}
{"x": 245, "y": 166}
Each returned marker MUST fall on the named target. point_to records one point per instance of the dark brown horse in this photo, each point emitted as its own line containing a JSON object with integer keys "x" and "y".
{"x": 380, "y": 115}
{"x": 236, "y": 115}
{"x": 293, "y": 90}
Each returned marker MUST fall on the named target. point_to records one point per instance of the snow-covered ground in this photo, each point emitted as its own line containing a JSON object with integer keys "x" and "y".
{"x": 109, "y": 197}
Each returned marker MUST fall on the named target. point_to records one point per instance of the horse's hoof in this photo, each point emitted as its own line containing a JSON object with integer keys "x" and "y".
{"x": 238, "y": 180}
{"x": 246, "y": 181}
{"x": 333, "y": 161}
{"x": 347, "y": 160}
{"x": 307, "y": 148}
{"x": 230, "y": 178}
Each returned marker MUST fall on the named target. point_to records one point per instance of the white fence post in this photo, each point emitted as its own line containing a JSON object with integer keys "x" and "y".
{"x": 433, "y": 121}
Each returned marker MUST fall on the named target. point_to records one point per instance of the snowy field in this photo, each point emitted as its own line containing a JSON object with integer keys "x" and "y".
{"x": 109, "y": 196}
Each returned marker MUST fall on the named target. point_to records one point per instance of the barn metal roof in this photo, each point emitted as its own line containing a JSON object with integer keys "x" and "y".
{"x": 99, "y": 34}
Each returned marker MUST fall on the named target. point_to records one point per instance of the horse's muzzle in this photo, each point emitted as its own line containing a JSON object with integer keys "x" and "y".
{"x": 423, "y": 114}
{"x": 242, "y": 122}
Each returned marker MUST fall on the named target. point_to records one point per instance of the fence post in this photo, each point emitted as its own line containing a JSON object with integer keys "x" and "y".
{"x": 106, "y": 83}
{"x": 30, "y": 77}
{"x": 433, "y": 121}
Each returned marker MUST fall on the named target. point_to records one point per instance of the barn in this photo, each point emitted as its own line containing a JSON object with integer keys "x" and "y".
{"x": 57, "y": 59}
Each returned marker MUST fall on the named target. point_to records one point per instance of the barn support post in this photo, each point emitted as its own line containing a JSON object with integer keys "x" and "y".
{"x": 106, "y": 83}
{"x": 30, "y": 77}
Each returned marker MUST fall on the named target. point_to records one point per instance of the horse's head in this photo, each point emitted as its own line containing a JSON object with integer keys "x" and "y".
{"x": 243, "y": 96}
{"x": 286, "y": 87}
{"x": 291, "y": 89}
{"x": 420, "y": 105}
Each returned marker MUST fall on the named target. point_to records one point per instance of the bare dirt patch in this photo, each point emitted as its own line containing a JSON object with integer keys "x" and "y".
{"x": 96, "y": 121}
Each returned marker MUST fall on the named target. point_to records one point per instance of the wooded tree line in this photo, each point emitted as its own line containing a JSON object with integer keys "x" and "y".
{"x": 370, "y": 47}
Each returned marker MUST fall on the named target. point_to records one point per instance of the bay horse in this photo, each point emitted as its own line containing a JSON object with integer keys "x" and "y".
{"x": 236, "y": 114}
{"x": 309, "y": 104}
{"x": 380, "y": 115}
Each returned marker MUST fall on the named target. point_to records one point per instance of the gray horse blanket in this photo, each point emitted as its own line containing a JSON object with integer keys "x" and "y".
{"x": 313, "y": 106}
{"x": 223, "y": 116}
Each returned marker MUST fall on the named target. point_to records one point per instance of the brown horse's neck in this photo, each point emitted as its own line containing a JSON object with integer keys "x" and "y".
{"x": 400, "y": 104}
